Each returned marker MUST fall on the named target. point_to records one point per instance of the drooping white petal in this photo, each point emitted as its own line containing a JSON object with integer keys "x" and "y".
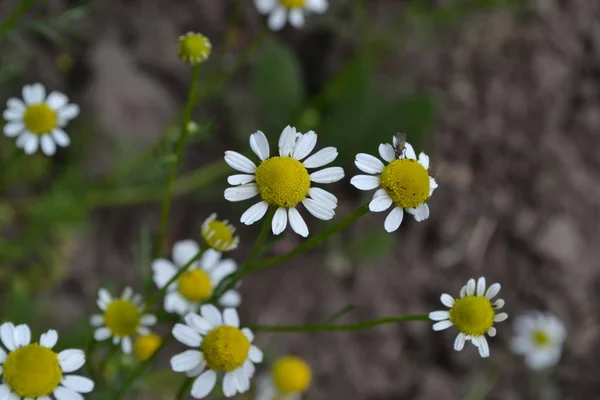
{"x": 254, "y": 213}
{"x": 30, "y": 142}
{"x": 439, "y": 315}
{"x": 71, "y": 360}
{"x": 204, "y": 384}
{"x": 78, "y": 383}
{"x": 440, "y": 326}
{"x": 459, "y": 342}
{"x": 318, "y": 210}
{"x": 63, "y": 393}
{"x": 184, "y": 251}
{"x": 239, "y": 179}
{"x": 279, "y": 221}
{"x": 60, "y": 137}
{"x": 277, "y": 18}
{"x": 186, "y": 360}
{"x": 186, "y": 335}
{"x": 323, "y": 196}
{"x": 211, "y": 314}
{"x": 49, "y": 338}
{"x": 394, "y": 219}
{"x": 321, "y": 158}
{"x": 287, "y": 139}
{"x": 327, "y": 175}
{"x": 386, "y": 151}
{"x": 231, "y": 318}
{"x": 47, "y": 145}
{"x": 296, "y": 18}
{"x": 381, "y": 201}
{"x": 249, "y": 368}
{"x": 421, "y": 213}
{"x": 365, "y": 182}
{"x": 229, "y": 385}
{"x": 242, "y": 192}
{"x": 239, "y": 162}
{"x": 305, "y": 144}
{"x": 482, "y": 345}
{"x": 369, "y": 164}
{"x": 424, "y": 160}
{"x": 260, "y": 145}
{"x": 241, "y": 379}
{"x": 297, "y": 222}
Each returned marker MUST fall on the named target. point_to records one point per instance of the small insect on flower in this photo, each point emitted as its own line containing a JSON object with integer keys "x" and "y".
{"x": 219, "y": 346}
{"x": 539, "y": 337}
{"x": 290, "y": 377}
{"x": 219, "y": 235}
{"x": 39, "y": 120}
{"x": 196, "y": 285}
{"x": 399, "y": 143}
{"x": 280, "y": 11}
{"x": 123, "y": 318}
{"x": 194, "y": 48}
{"x": 473, "y": 314}
{"x": 35, "y": 371}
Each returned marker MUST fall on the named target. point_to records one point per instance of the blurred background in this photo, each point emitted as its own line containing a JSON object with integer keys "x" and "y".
{"x": 504, "y": 95}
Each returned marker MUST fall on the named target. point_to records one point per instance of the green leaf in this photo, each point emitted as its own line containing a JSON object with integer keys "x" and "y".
{"x": 279, "y": 87}
{"x": 371, "y": 246}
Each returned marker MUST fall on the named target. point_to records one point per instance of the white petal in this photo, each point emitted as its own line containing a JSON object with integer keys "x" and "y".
{"x": 210, "y": 259}
{"x": 321, "y": 158}
{"x": 296, "y": 18}
{"x": 421, "y": 213}
{"x": 239, "y": 162}
{"x": 187, "y": 335}
{"x": 22, "y": 335}
{"x": 248, "y": 333}
{"x": 240, "y": 179}
{"x": 229, "y": 385}
{"x": 387, "y": 153}
{"x": 318, "y": 6}
{"x": 447, "y": 300}
{"x": 230, "y": 298}
{"x": 394, "y": 219}
{"x": 175, "y": 303}
{"x": 440, "y": 326}
{"x": 127, "y": 293}
{"x": 162, "y": 271}
{"x": 279, "y": 222}
{"x": 439, "y": 315}
{"x": 242, "y": 192}
{"x": 30, "y": 142}
{"x": 63, "y": 393}
{"x": 254, "y": 213}
{"x": 184, "y": 251}
{"x": 12, "y": 129}
{"x": 369, "y": 164}
{"x": 492, "y": 291}
{"x": 305, "y": 144}
{"x": 498, "y": 304}
{"x": 34, "y": 94}
{"x": 3, "y": 356}
{"x": 327, "y": 175}
{"x": 459, "y": 342}
{"x": 16, "y": 104}
{"x": 198, "y": 323}
{"x": 78, "y": 383}
{"x": 68, "y": 112}
{"x": 60, "y": 137}
{"x": 380, "y": 202}
{"x": 148, "y": 320}
{"x": 47, "y": 144}
{"x": 211, "y": 314}
{"x": 249, "y": 368}
{"x": 259, "y": 145}
{"x": 204, "y": 384}
{"x": 318, "y": 210}
{"x": 56, "y": 100}
{"x": 102, "y": 333}
{"x": 7, "y": 330}
{"x": 71, "y": 360}
{"x": 432, "y": 185}
{"x": 482, "y": 345}
{"x": 463, "y": 291}
{"x": 231, "y": 318}
{"x": 11, "y": 114}
{"x": 49, "y": 338}
{"x": 297, "y": 222}
{"x": 365, "y": 182}
{"x": 142, "y": 330}
{"x": 127, "y": 345}
{"x": 4, "y": 391}
{"x": 323, "y": 196}
{"x": 277, "y": 18}
{"x": 491, "y": 331}
{"x": 194, "y": 372}
{"x": 241, "y": 379}
{"x": 265, "y": 6}
{"x": 287, "y": 139}
{"x": 424, "y": 160}
{"x": 223, "y": 269}
{"x": 186, "y": 361}
{"x": 470, "y": 287}
{"x": 500, "y": 317}
{"x": 481, "y": 286}
{"x": 409, "y": 152}
{"x": 104, "y": 295}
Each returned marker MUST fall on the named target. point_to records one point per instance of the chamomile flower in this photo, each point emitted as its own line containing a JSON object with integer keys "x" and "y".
{"x": 194, "y": 48}
{"x": 35, "y": 371}
{"x": 123, "y": 318}
{"x": 539, "y": 337}
{"x": 219, "y": 235}
{"x": 290, "y": 377}
{"x": 38, "y": 120}
{"x": 283, "y": 181}
{"x": 403, "y": 183}
{"x": 473, "y": 314}
{"x": 280, "y": 11}
{"x": 144, "y": 346}
{"x": 197, "y": 284}
{"x": 218, "y": 346}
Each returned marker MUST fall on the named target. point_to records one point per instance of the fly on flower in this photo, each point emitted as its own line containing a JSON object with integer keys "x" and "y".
{"x": 399, "y": 143}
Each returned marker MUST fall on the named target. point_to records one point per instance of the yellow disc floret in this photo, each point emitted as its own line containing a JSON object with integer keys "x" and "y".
{"x": 291, "y": 375}
{"x": 218, "y": 235}
{"x": 292, "y": 3}
{"x": 40, "y": 118}
{"x": 194, "y": 48}
{"x": 540, "y": 338}
{"x": 225, "y": 348}
{"x": 472, "y": 315}
{"x": 122, "y": 317}
{"x": 145, "y": 345}
{"x": 195, "y": 285}
{"x": 406, "y": 182}
{"x": 282, "y": 181}
{"x": 32, "y": 371}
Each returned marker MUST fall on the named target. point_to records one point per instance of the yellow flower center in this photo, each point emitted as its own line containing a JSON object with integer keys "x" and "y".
{"x": 472, "y": 315}
{"x": 122, "y": 317}
{"x": 406, "y": 182}
{"x": 291, "y": 375}
{"x": 292, "y": 3}
{"x": 541, "y": 338}
{"x": 218, "y": 235}
{"x": 194, "y": 48}
{"x": 195, "y": 285}
{"x": 39, "y": 118}
{"x": 282, "y": 181}
{"x": 145, "y": 345}
{"x": 225, "y": 348}
{"x": 32, "y": 371}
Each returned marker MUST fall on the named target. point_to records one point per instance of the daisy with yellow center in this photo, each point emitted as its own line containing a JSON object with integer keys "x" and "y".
{"x": 284, "y": 181}
{"x": 39, "y": 120}
{"x": 404, "y": 182}
{"x": 144, "y": 346}
{"x": 194, "y": 48}
{"x": 35, "y": 371}
{"x": 195, "y": 286}
{"x": 280, "y": 11}
{"x": 290, "y": 377}
{"x": 219, "y": 235}
{"x": 473, "y": 314}
{"x": 218, "y": 346}
{"x": 122, "y": 318}
{"x": 539, "y": 337}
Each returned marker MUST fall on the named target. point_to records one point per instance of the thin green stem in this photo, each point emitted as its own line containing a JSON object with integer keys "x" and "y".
{"x": 90, "y": 360}
{"x": 12, "y": 19}
{"x": 335, "y": 327}
{"x": 166, "y": 203}
{"x": 262, "y": 238}
{"x": 184, "y": 388}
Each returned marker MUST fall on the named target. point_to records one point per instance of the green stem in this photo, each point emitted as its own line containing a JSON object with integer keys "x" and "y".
{"x": 335, "y": 327}
{"x": 184, "y": 388}
{"x": 166, "y": 203}
{"x": 90, "y": 360}
{"x": 9, "y": 22}
{"x": 262, "y": 238}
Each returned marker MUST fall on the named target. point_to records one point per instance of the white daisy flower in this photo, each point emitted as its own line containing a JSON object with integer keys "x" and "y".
{"x": 218, "y": 346}
{"x": 539, "y": 337}
{"x": 404, "y": 182}
{"x": 38, "y": 121}
{"x": 34, "y": 371}
{"x": 219, "y": 235}
{"x": 290, "y": 377}
{"x": 283, "y": 181}
{"x": 196, "y": 285}
{"x": 123, "y": 318}
{"x": 280, "y": 11}
{"x": 473, "y": 314}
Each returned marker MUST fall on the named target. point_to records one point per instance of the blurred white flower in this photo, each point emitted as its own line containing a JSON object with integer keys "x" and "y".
{"x": 539, "y": 337}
